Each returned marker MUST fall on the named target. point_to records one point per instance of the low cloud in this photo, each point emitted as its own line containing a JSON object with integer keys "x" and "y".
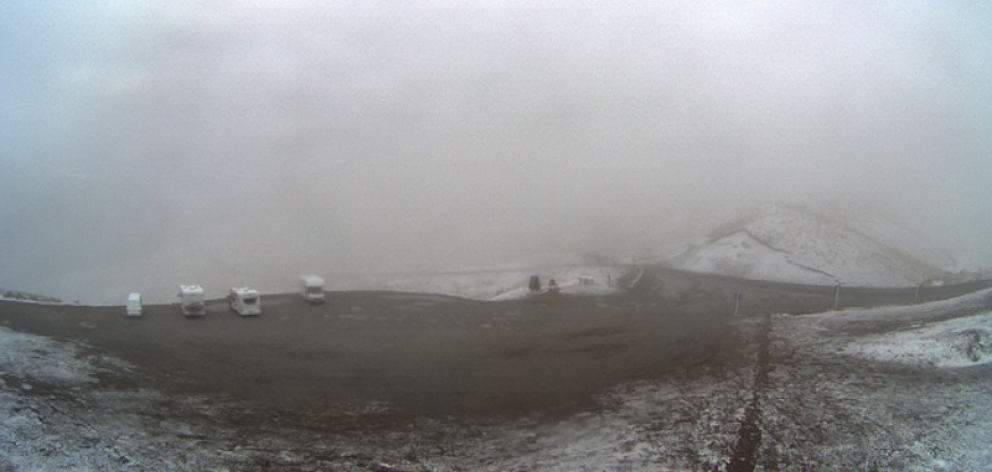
{"x": 375, "y": 136}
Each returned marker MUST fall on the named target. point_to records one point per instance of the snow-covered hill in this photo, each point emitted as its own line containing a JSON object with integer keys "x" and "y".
{"x": 794, "y": 246}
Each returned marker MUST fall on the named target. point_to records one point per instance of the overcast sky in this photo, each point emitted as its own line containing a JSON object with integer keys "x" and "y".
{"x": 395, "y": 134}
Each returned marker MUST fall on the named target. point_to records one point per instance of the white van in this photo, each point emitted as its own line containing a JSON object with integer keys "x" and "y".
{"x": 133, "y": 305}
{"x": 312, "y": 289}
{"x": 191, "y": 300}
{"x": 245, "y": 301}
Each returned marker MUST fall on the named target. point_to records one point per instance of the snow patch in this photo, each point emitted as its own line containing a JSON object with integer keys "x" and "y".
{"x": 863, "y": 416}
{"x": 955, "y": 343}
{"x": 43, "y": 359}
{"x": 55, "y": 416}
{"x": 929, "y": 334}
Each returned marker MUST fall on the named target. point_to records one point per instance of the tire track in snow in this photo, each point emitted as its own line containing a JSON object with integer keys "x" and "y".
{"x": 744, "y": 455}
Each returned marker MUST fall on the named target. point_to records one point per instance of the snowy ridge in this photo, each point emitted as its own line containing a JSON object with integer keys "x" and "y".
{"x": 28, "y": 298}
{"x": 907, "y": 241}
{"x": 742, "y": 255}
{"x": 792, "y": 246}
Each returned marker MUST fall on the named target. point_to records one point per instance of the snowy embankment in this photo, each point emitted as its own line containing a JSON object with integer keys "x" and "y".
{"x": 793, "y": 246}
{"x": 954, "y": 343}
{"x": 948, "y": 333}
{"x": 890, "y": 388}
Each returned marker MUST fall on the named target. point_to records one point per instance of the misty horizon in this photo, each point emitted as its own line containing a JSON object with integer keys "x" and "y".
{"x": 199, "y": 136}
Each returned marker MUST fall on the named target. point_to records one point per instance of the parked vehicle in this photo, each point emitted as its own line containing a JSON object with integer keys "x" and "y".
{"x": 191, "y": 300}
{"x": 245, "y": 301}
{"x": 133, "y": 306}
{"x": 312, "y": 289}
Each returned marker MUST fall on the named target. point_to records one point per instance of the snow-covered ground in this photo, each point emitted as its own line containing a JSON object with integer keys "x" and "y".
{"x": 892, "y": 388}
{"x": 955, "y": 343}
{"x": 793, "y": 246}
{"x": 742, "y": 255}
{"x": 55, "y": 415}
{"x": 922, "y": 335}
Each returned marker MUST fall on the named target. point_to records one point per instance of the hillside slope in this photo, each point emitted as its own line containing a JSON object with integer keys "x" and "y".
{"x": 793, "y": 246}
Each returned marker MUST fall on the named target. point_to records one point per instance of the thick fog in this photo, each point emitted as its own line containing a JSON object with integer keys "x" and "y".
{"x": 158, "y": 141}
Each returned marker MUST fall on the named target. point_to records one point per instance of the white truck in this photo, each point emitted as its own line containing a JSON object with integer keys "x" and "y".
{"x": 133, "y": 306}
{"x": 312, "y": 289}
{"x": 191, "y": 300}
{"x": 245, "y": 301}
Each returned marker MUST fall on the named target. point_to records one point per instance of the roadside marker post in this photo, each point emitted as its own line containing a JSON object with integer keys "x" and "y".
{"x": 837, "y": 298}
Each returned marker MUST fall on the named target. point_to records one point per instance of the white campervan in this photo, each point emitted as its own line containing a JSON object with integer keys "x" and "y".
{"x": 312, "y": 289}
{"x": 191, "y": 300}
{"x": 133, "y": 305}
{"x": 245, "y": 301}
